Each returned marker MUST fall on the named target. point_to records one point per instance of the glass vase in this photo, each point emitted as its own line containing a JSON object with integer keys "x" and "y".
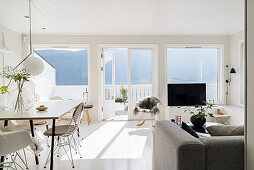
{"x": 23, "y": 99}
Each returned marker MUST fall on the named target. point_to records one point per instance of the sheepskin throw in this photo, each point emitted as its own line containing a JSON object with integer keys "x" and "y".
{"x": 147, "y": 104}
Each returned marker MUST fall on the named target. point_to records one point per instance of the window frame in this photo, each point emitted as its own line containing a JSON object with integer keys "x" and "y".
{"x": 221, "y": 72}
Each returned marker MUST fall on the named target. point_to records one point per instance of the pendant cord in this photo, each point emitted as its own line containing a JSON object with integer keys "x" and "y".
{"x": 30, "y": 36}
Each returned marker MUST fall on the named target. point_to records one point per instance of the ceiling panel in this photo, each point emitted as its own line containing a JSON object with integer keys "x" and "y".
{"x": 127, "y": 17}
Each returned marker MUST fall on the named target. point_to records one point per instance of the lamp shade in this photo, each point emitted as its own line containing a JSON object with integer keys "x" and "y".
{"x": 232, "y": 70}
{"x": 34, "y": 65}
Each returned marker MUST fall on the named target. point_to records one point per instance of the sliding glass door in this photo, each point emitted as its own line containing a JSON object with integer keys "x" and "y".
{"x": 140, "y": 76}
{"x": 127, "y": 70}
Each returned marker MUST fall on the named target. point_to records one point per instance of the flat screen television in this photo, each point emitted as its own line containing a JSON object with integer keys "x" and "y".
{"x": 191, "y": 94}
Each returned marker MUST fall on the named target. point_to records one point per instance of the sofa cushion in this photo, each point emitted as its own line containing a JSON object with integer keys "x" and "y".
{"x": 224, "y": 152}
{"x": 226, "y": 130}
{"x": 189, "y": 130}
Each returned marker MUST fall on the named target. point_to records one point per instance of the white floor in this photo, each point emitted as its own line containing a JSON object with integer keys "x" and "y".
{"x": 119, "y": 117}
{"x": 118, "y": 145}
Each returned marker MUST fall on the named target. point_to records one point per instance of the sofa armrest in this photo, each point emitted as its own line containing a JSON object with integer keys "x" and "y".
{"x": 175, "y": 149}
{"x": 224, "y": 152}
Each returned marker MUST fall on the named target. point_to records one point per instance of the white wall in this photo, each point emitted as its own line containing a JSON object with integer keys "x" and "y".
{"x": 46, "y": 81}
{"x": 13, "y": 43}
{"x": 249, "y": 115}
{"x": 94, "y": 62}
{"x": 236, "y": 109}
{"x": 235, "y": 61}
{"x": 70, "y": 92}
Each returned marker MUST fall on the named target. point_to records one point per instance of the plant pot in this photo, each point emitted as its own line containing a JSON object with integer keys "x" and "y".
{"x": 196, "y": 121}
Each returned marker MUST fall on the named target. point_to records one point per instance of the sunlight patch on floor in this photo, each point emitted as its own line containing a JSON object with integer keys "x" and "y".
{"x": 128, "y": 145}
{"x": 119, "y": 117}
{"x": 93, "y": 145}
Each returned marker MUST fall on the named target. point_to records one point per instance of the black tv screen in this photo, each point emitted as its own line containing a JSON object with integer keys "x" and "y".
{"x": 193, "y": 94}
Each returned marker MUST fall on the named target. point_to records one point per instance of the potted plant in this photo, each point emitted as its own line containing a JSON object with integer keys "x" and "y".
{"x": 123, "y": 92}
{"x": 198, "y": 118}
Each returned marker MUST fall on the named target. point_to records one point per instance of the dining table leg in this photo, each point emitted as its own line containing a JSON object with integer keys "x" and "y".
{"x": 5, "y": 123}
{"x": 52, "y": 145}
{"x": 32, "y": 133}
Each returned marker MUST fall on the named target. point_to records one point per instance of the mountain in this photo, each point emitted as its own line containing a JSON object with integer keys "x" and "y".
{"x": 183, "y": 65}
{"x": 71, "y": 66}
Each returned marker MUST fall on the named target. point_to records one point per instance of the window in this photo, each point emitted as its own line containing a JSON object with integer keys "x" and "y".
{"x": 141, "y": 73}
{"x": 71, "y": 64}
{"x": 141, "y": 66}
{"x": 194, "y": 65}
{"x": 242, "y": 73}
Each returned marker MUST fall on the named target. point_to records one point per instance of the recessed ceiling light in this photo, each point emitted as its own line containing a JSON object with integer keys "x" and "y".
{"x": 26, "y": 16}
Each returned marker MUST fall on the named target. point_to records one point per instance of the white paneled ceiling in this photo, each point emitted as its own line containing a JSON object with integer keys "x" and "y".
{"x": 131, "y": 17}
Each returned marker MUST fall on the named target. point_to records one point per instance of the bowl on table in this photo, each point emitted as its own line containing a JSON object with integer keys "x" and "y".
{"x": 41, "y": 108}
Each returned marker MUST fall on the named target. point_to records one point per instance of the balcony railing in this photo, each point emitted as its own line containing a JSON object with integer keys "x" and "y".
{"x": 137, "y": 91}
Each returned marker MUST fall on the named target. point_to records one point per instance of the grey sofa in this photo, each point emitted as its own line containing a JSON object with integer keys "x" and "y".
{"x": 176, "y": 149}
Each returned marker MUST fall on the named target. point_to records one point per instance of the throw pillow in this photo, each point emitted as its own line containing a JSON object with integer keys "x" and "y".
{"x": 189, "y": 130}
{"x": 225, "y": 130}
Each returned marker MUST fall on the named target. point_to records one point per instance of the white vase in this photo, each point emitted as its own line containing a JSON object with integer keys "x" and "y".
{"x": 2, "y": 101}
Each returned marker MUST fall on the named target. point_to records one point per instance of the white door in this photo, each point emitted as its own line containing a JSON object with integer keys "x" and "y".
{"x": 140, "y": 71}
{"x": 109, "y": 82}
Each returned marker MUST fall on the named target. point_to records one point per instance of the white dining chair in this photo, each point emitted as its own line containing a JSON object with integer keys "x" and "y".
{"x": 10, "y": 145}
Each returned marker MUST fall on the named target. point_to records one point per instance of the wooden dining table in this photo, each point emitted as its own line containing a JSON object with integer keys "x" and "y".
{"x": 56, "y": 109}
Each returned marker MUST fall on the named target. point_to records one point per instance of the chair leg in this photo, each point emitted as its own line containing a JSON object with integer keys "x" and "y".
{"x": 78, "y": 132}
{"x": 59, "y": 145}
{"x": 76, "y": 146}
{"x": 141, "y": 119}
{"x": 13, "y": 164}
{"x": 77, "y": 140}
{"x": 25, "y": 158}
{"x": 24, "y": 161}
{"x": 49, "y": 155}
{"x": 88, "y": 117}
{"x": 47, "y": 160}
{"x": 13, "y": 160}
{"x": 153, "y": 120}
{"x": 70, "y": 152}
